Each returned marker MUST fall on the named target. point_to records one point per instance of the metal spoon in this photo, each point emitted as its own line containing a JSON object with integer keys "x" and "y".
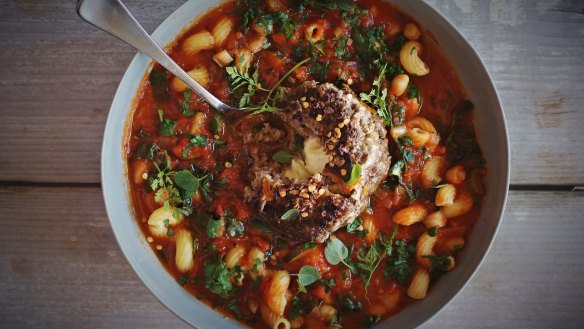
{"x": 113, "y": 17}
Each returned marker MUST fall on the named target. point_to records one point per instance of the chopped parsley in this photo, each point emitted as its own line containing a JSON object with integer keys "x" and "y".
{"x": 439, "y": 265}
{"x": 166, "y": 125}
{"x": 377, "y": 98}
{"x": 349, "y": 303}
{"x": 398, "y": 266}
{"x": 218, "y": 277}
{"x": 341, "y": 48}
{"x": 369, "y": 259}
{"x": 185, "y": 105}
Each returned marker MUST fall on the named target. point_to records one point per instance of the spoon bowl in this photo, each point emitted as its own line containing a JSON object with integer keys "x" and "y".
{"x": 113, "y": 17}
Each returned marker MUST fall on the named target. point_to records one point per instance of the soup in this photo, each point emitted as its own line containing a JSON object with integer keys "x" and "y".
{"x": 343, "y": 193}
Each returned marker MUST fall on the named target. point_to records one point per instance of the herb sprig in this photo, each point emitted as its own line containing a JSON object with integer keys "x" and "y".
{"x": 377, "y": 97}
{"x": 368, "y": 260}
{"x": 176, "y": 187}
{"x": 306, "y": 276}
{"x": 336, "y": 252}
{"x": 251, "y": 83}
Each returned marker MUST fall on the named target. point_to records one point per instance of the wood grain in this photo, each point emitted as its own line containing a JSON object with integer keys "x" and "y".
{"x": 58, "y": 77}
{"x": 60, "y": 267}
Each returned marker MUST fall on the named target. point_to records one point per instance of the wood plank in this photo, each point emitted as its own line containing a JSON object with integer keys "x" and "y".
{"x": 534, "y": 274}
{"x": 59, "y": 76}
{"x": 534, "y": 52}
{"x": 57, "y": 81}
{"x": 61, "y": 267}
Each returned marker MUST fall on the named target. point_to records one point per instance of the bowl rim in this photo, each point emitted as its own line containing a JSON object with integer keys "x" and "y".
{"x": 505, "y": 157}
{"x": 110, "y": 142}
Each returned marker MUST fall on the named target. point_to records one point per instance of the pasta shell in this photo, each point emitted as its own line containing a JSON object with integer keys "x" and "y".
{"x": 409, "y": 57}
{"x": 410, "y": 215}
{"x": 156, "y": 221}
{"x": 184, "y": 257}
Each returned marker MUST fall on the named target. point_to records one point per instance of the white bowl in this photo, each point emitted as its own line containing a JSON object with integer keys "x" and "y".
{"x": 492, "y": 135}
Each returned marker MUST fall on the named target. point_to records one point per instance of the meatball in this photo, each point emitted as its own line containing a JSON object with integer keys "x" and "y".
{"x": 307, "y": 203}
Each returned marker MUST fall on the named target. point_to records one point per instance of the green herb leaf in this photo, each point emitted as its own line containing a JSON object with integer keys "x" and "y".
{"x": 336, "y": 252}
{"x": 328, "y": 284}
{"x": 334, "y": 323}
{"x": 371, "y": 320}
{"x": 356, "y": 170}
{"x": 235, "y": 228}
{"x": 309, "y": 245}
{"x": 166, "y": 125}
{"x": 285, "y": 23}
{"x": 290, "y": 214}
{"x": 215, "y": 124}
{"x": 214, "y": 227}
{"x": 187, "y": 181}
{"x": 354, "y": 225}
{"x": 243, "y": 80}
{"x": 346, "y": 5}
{"x": 217, "y": 277}
{"x": 341, "y": 48}
{"x": 283, "y": 156}
{"x": 398, "y": 266}
{"x": 407, "y": 155}
{"x": 300, "y": 307}
{"x": 349, "y": 304}
{"x": 308, "y": 275}
{"x": 405, "y": 140}
{"x": 413, "y": 92}
{"x": 377, "y": 97}
{"x": 318, "y": 70}
{"x": 185, "y": 106}
{"x": 368, "y": 260}
{"x": 198, "y": 140}
{"x": 439, "y": 265}
{"x": 432, "y": 231}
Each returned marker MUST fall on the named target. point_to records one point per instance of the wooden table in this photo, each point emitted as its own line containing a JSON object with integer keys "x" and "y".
{"x": 60, "y": 266}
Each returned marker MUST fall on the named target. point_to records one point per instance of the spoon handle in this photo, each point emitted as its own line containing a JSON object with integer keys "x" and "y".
{"x": 113, "y": 17}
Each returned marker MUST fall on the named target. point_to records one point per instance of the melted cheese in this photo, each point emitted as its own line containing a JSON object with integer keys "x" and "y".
{"x": 315, "y": 159}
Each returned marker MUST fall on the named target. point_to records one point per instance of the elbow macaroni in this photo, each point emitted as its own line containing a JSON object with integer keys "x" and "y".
{"x": 234, "y": 256}
{"x": 418, "y": 136}
{"x": 200, "y": 74}
{"x": 445, "y": 195}
{"x": 221, "y": 30}
{"x": 242, "y": 59}
{"x": 272, "y": 319}
{"x": 410, "y": 60}
{"x": 276, "y": 298}
{"x": 184, "y": 260}
{"x": 256, "y": 43}
{"x": 456, "y": 174}
{"x": 461, "y": 205}
{"x": 432, "y": 171}
{"x": 222, "y": 58}
{"x": 314, "y": 32}
{"x": 419, "y": 286}
{"x": 156, "y": 221}
{"x": 435, "y": 219}
{"x": 409, "y": 215}
{"x": 425, "y": 247}
{"x": 199, "y": 41}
